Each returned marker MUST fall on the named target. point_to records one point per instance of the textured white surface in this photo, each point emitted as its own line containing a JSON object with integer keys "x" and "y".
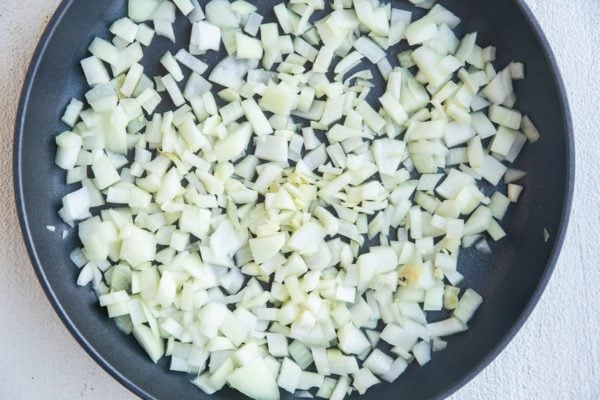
{"x": 555, "y": 356}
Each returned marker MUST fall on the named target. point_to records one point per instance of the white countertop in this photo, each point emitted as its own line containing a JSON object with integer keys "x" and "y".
{"x": 555, "y": 356}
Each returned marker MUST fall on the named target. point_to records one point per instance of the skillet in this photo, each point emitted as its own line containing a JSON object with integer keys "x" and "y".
{"x": 511, "y": 280}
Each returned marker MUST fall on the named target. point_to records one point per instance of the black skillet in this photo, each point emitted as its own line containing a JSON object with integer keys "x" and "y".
{"x": 511, "y": 280}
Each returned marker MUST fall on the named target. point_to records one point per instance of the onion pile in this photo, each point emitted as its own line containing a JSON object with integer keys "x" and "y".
{"x": 278, "y": 220}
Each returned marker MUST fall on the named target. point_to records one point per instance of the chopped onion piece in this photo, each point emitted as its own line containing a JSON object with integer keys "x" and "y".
{"x": 421, "y": 30}
{"x": 369, "y": 49}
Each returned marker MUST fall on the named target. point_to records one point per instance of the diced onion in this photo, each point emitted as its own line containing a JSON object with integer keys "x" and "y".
{"x": 279, "y": 218}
